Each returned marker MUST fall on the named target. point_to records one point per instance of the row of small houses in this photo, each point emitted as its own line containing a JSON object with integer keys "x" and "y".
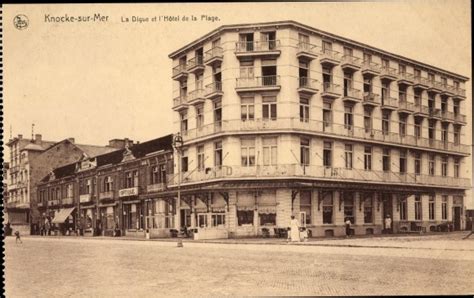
{"x": 110, "y": 194}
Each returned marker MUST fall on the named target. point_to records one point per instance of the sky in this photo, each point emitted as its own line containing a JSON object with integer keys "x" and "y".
{"x": 98, "y": 81}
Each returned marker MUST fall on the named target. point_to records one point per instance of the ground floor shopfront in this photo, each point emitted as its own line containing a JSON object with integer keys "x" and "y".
{"x": 18, "y": 219}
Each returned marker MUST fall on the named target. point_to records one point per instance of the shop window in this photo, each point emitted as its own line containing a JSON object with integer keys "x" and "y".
{"x": 418, "y": 210}
{"x": 305, "y": 205}
{"x": 444, "y": 208}
{"x": 327, "y": 208}
{"x": 403, "y": 209}
{"x": 349, "y": 206}
{"x": 368, "y": 209}
{"x": 267, "y": 219}
{"x": 218, "y": 219}
{"x": 202, "y": 220}
{"x": 245, "y": 217}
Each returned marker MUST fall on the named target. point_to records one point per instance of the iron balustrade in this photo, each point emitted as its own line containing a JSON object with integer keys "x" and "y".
{"x": 179, "y": 69}
{"x": 255, "y": 82}
{"x": 305, "y": 82}
{"x": 348, "y": 59}
{"x": 331, "y": 88}
{"x": 215, "y": 52}
{"x": 257, "y": 46}
{"x": 330, "y": 54}
{"x": 196, "y": 61}
{"x": 371, "y": 97}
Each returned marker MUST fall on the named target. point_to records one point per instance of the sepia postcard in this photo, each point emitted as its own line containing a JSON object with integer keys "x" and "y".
{"x": 237, "y": 149}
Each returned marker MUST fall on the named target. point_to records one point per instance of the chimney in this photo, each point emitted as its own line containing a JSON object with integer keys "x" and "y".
{"x": 38, "y": 138}
{"x": 120, "y": 143}
{"x": 20, "y": 137}
{"x": 72, "y": 140}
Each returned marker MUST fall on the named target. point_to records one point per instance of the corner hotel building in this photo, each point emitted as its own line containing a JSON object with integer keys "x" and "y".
{"x": 282, "y": 119}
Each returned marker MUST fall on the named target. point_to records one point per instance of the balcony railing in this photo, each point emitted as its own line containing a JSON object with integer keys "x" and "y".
{"x": 406, "y": 106}
{"x": 17, "y": 204}
{"x": 181, "y": 100}
{"x": 214, "y": 89}
{"x": 196, "y": 62}
{"x": 370, "y": 97}
{"x": 155, "y": 187}
{"x": 216, "y": 53}
{"x": 258, "y": 82}
{"x": 179, "y": 70}
{"x": 307, "y": 85}
{"x": 351, "y": 62}
{"x": 106, "y": 195}
{"x": 351, "y": 93}
{"x": 405, "y": 77}
{"x": 435, "y": 113}
{"x": 332, "y": 88}
{"x": 67, "y": 201}
{"x": 459, "y": 92}
{"x": 257, "y": 46}
{"x": 308, "y": 50}
{"x": 390, "y": 102}
{"x": 318, "y": 127}
{"x": 316, "y": 172}
{"x": 370, "y": 67}
{"x": 196, "y": 95}
{"x": 420, "y": 81}
{"x": 421, "y": 109}
{"x": 330, "y": 56}
{"x": 388, "y": 72}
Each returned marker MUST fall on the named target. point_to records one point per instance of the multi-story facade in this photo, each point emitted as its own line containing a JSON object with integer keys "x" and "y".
{"x": 30, "y": 161}
{"x": 113, "y": 193}
{"x": 282, "y": 119}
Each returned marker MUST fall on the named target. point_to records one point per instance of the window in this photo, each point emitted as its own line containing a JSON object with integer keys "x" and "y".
{"x": 246, "y": 70}
{"x": 327, "y": 47}
{"x": 431, "y": 102}
{"x": 199, "y": 116}
{"x": 385, "y": 122}
{"x": 218, "y": 154}
{"x": 217, "y": 77}
{"x": 304, "y": 110}
{"x": 268, "y": 39}
{"x": 88, "y": 186}
{"x": 403, "y": 161}
{"x": 349, "y": 206}
{"x": 184, "y": 122}
{"x": 131, "y": 179}
{"x": 247, "y": 108}
{"x": 200, "y": 158}
{"x": 327, "y": 207}
{"x": 367, "y": 58}
{"x": 444, "y": 81}
{"x": 456, "y": 107}
{"x": 199, "y": 80}
{"x": 444, "y": 104}
{"x": 270, "y": 151}
{"x": 417, "y": 97}
{"x": 418, "y": 122}
{"x": 303, "y": 73}
{"x": 431, "y": 165}
{"x": 367, "y": 85}
{"x": 305, "y": 205}
{"x": 403, "y": 126}
{"x": 417, "y": 156}
{"x": 267, "y": 219}
{"x": 245, "y": 217}
{"x": 269, "y": 108}
{"x": 402, "y": 94}
{"x": 386, "y": 160}
{"x": 348, "y": 52}
{"x": 327, "y": 119}
{"x": 348, "y": 118}
{"x": 444, "y": 133}
{"x": 456, "y": 84}
{"x": 368, "y": 208}
{"x": 431, "y": 130}
{"x": 403, "y": 209}
{"x": 202, "y": 220}
{"x": 417, "y": 73}
{"x": 368, "y": 120}
{"x": 246, "y": 42}
{"x": 218, "y": 219}
{"x": 269, "y": 72}
{"x": 184, "y": 161}
{"x": 348, "y": 156}
{"x": 367, "y": 158}
{"x": 385, "y": 63}
{"x": 248, "y": 152}
{"x": 303, "y": 41}
{"x": 327, "y": 78}
{"x": 444, "y": 166}
{"x": 418, "y": 211}
{"x": 108, "y": 184}
{"x": 304, "y": 151}
{"x": 327, "y": 154}
{"x": 348, "y": 84}
{"x": 456, "y": 134}
{"x": 385, "y": 90}
{"x": 456, "y": 168}
{"x": 402, "y": 68}
{"x": 218, "y": 114}
{"x": 155, "y": 174}
{"x": 431, "y": 207}
{"x": 444, "y": 208}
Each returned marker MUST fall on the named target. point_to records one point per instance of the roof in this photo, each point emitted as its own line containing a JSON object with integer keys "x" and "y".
{"x": 318, "y": 31}
{"x": 116, "y": 157}
{"x": 92, "y": 150}
{"x": 33, "y": 146}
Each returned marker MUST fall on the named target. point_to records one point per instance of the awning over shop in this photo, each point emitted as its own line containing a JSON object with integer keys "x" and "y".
{"x": 62, "y": 215}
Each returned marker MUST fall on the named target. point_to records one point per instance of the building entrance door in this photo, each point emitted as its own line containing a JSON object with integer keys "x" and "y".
{"x": 185, "y": 218}
{"x": 457, "y": 218}
{"x": 387, "y": 210}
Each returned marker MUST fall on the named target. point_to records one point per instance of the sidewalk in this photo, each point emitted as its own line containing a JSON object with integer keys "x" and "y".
{"x": 451, "y": 241}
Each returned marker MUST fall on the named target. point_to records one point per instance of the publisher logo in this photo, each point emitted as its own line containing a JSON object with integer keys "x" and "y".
{"x": 21, "y": 22}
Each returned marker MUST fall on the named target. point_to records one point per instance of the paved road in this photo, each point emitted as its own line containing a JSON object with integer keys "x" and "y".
{"x": 60, "y": 267}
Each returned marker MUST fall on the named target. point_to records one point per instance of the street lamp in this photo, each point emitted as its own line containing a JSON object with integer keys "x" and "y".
{"x": 177, "y": 145}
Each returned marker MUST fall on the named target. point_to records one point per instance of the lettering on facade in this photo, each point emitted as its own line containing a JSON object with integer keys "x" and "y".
{"x": 128, "y": 192}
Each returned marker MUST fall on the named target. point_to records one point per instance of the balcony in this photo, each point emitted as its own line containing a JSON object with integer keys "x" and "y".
{"x": 53, "y": 203}
{"x": 330, "y": 57}
{"x": 405, "y": 78}
{"x": 106, "y": 195}
{"x": 370, "y": 69}
{"x": 265, "y": 83}
{"x": 435, "y": 87}
{"x": 371, "y": 99}
{"x": 85, "y": 198}
{"x": 389, "y": 103}
{"x": 459, "y": 93}
{"x": 17, "y": 205}
{"x": 388, "y": 74}
{"x": 128, "y": 192}
{"x": 214, "y": 56}
{"x": 155, "y": 187}
{"x": 420, "y": 110}
{"x": 196, "y": 97}
{"x": 195, "y": 65}
{"x": 420, "y": 83}
{"x": 331, "y": 91}
{"x": 67, "y": 201}
{"x": 435, "y": 113}
{"x": 180, "y": 103}
{"x": 447, "y": 90}
{"x": 214, "y": 90}
{"x": 405, "y": 107}
{"x": 253, "y": 49}
{"x": 351, "y": 95}
{"x": 307, "y": 51}
{"x": 307, "y": 86}
{"x": 297, "y": 171}
{"x": 350, "y": 63}
{"x": 180, "y": 72}
{"x": 461, "y": 119}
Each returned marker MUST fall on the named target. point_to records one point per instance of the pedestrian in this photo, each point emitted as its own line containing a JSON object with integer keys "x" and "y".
{"x": 17, "y": 234}
{"x": 294, "y": 229}
{"x": 348, "y": 227}
{"x": 472, "y": 230}
{"x": 388, "y": 224}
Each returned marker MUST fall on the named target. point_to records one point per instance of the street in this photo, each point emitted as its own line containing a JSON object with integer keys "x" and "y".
{"x": 98, "y": 267}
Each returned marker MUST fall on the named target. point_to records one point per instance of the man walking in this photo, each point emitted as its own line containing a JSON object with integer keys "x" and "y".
{"x": 17, "y": 234}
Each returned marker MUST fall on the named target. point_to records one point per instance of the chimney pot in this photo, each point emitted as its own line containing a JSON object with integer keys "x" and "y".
{"x": 38, "y": 138}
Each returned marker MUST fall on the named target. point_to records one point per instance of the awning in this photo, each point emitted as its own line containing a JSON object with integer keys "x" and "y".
{"x": 62, "y": 215}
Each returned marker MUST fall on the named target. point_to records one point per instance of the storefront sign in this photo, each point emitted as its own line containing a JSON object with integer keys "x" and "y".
{"x": 128, "y": 192}
{"x": 85, "y": 198}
